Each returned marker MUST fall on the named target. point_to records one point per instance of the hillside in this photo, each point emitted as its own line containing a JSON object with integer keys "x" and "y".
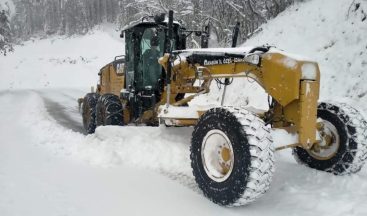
{"x": 333, "y": 33}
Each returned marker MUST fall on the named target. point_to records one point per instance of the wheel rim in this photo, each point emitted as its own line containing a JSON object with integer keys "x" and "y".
{"x": 330, "y": 142}
{"x": 217, "y": 155}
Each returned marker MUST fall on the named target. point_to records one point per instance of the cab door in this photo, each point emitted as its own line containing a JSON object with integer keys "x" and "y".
{"x": 130, "y": 56}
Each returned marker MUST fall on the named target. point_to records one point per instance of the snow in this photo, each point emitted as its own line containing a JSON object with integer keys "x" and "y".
{"x": 309, "y": 71}
{"x": 237, "y": 50}
{"x": 192, "y": 112}
{"x": 139, "y": 21}
{"x": 178, "y": 112}
{"x": 308, "y": 89}
{"x": 328, "y": 32}
{"x": 290, "y": 63}
{"x": 331, "y": 33}
{"x": 59, "y": 61}
{"x": 51, "y": 170}
{"x": 109, "y": 144}
{"x": 48, "y": 167}
{"x": 297, "y": 57}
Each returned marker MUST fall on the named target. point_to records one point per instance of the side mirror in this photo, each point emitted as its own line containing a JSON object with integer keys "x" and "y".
{"x": 122, "y": 34}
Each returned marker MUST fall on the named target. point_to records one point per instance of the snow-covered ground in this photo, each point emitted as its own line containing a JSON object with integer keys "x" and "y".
{"x": 49, "y": 167}
{"x": 59, "y": 61}
{"x": 46, "y": 169}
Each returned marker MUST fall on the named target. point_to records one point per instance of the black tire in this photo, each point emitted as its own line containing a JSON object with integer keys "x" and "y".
{"x": 109, "y": 110}
{"x": 253, "y": 152}
{"x": 352, "y": 131}
{"x": 89, "y": 112}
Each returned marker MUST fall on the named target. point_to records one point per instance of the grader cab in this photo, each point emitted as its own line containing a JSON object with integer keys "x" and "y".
{"x": 232, "y": 152}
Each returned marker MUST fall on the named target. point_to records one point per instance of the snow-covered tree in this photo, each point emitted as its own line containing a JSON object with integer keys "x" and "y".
{"x": 5, "y": 32}
{"x": 37, "y": 17}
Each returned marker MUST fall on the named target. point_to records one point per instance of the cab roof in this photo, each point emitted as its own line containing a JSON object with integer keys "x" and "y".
{"x": 142, "y": 22}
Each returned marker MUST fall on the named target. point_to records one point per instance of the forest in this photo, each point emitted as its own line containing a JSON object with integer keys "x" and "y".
{"x": 42, "y": 18}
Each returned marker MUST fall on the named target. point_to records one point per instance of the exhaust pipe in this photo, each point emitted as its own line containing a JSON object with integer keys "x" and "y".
{"x": 169, "y": 66}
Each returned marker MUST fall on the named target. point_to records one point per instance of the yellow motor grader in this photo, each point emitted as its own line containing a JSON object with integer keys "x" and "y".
{"x": 232, "y": 154}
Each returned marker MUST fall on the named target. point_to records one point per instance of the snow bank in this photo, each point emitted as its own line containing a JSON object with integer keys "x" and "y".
{"x": 163, "y": 149}
{"x": 296, "y": 190}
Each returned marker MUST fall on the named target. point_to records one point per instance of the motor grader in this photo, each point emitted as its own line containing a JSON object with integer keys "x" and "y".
{"x": 232, "y": 151}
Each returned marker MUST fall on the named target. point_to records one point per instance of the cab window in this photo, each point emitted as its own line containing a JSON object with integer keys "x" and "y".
{"x": 151, "y": 49}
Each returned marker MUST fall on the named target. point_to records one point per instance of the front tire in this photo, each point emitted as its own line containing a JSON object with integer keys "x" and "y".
{"x": 109, "y": 110}
{"x": 348, "y": 149}
{"x": 89, "y": 112}
{"x": 232, "y": 156}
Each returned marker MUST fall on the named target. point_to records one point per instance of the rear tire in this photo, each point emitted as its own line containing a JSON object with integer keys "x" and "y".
{"x": 89, "y": 112}
{"x": 109, "y": 110}
{"x": 351, "y": 132}
{"x": 244, "y": 172}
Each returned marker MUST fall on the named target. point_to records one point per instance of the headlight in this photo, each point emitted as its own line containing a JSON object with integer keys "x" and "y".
{"x": 252, "y": 59}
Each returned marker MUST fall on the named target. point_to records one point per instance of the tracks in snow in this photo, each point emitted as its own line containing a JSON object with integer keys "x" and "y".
{"x": 62, "y": 113}
{"x": 183, "y": 179}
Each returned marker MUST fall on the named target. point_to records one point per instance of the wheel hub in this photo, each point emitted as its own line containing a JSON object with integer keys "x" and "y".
{"x": 329, "y": 144}
{"x": 217, "y": 155}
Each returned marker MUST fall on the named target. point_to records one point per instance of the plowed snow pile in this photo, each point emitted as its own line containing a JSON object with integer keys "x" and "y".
{"x": 49, "y": 168}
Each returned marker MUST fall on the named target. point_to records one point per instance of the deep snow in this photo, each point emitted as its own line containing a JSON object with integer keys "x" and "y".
{"x": 43, "y": 171}
{"x": 47, "y": 167}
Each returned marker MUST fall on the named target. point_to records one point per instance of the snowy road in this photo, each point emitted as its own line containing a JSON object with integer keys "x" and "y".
{"x": 35, "y": 181}
{"x": 47, "y": 167}
{"x": 68, "y": 117}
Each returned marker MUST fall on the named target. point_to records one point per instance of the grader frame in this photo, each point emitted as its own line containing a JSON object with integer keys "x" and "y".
{"x": 285, "y": 78}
